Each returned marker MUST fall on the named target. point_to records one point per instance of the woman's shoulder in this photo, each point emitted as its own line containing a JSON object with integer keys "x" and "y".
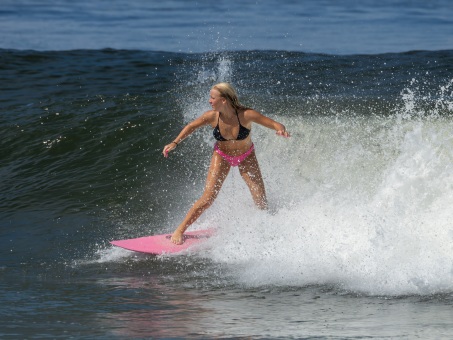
{"x": 250, "y": 114}
{"x": 205, "y": 118}
{"x": 248, "y": 111}
{"x": 209, "y": 116}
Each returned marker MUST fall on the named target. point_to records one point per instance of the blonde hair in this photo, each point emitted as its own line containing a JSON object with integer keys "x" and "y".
{"x": 229, "y": 93}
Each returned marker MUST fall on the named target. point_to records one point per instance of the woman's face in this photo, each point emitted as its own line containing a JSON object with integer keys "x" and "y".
{"x": 216, "y": 100}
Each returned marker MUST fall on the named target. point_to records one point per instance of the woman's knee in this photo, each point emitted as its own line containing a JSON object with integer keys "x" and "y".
{"x": 205, "y": 201}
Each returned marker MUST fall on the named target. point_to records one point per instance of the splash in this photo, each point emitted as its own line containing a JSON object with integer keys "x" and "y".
{"x": 196, "y": 93}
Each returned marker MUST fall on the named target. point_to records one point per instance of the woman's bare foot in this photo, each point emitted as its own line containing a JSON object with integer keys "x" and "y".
{"x": 177, "y": 237}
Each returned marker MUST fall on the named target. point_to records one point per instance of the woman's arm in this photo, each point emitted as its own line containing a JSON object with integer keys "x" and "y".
{"x": 261, "y": 119}
{"x": 205, "y": 119}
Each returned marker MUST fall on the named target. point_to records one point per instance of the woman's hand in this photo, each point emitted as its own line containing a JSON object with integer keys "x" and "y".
{"x": 283, "y": 133}
{"x": 168, "y": 148}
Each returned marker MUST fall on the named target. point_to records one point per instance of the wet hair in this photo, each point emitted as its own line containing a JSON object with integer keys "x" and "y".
{"x": 229, "y": 93}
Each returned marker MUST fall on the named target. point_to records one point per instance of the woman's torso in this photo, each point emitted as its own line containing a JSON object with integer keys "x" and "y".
{"x": 233, "y": 133}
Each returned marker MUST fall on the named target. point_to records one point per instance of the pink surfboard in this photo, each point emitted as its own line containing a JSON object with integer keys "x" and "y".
{"x": 161, "y": 244}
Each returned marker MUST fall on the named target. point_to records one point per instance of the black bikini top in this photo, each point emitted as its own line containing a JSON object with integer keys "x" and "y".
{"x": 242, "y": 134}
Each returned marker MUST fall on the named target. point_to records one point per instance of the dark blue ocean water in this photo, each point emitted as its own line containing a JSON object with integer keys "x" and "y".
{"x": 359, "y": 240}
{"x": 325, "y": 26}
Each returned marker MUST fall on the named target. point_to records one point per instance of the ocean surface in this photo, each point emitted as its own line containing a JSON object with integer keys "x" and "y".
{"x": 358, "y": 241}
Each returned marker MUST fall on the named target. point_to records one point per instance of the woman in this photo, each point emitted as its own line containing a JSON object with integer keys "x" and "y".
{"x": 232, "y": 123}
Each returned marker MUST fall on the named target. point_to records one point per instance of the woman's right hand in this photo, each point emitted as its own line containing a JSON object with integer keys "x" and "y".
{"x": 168, "y": 148}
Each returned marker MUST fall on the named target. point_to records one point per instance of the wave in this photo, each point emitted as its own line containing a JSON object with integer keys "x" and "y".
{"x": 360, "y": 194}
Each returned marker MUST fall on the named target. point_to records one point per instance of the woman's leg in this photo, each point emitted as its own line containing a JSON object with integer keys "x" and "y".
{"x": 251, "y": 173}
{"x": 217, "y": 174}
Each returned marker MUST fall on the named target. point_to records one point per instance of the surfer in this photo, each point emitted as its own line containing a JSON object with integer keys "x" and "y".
{"x": 232, "y": 123}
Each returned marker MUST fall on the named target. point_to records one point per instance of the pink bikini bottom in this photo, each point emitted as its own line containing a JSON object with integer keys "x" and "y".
{"x": 234, "y": 160}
